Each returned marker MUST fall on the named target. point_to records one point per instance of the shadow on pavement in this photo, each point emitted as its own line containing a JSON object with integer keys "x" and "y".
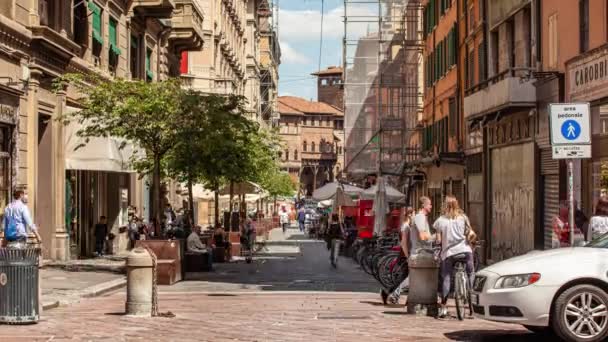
{"x": 493, "y": 335}
{"x": 310, "y": 270}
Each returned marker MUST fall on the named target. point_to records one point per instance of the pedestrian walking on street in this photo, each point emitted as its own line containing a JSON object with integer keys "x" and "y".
{"x": 18, "y": 221}
{"x": 406, "y": 245}
{"x": 301, "y": 218}
{"x": 284, "y": 219}
{"x": 133, "y": 230}
{"x": 335, "y": 238}
{"x": 454, "y": 234}
{"x": 101, "y": 234}
{"x": 598, "y": 225}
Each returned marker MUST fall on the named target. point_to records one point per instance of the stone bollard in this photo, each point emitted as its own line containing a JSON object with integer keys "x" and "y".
{"x": 424, "y": 277}
{"x": 139, "y": 282}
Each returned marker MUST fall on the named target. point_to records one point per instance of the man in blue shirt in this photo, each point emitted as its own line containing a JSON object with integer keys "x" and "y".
{"x": 301, "y": 218}
{"x": 17, "y": 221}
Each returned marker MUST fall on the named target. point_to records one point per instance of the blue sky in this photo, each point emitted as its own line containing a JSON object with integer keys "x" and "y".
{"x": 299, "y": 33}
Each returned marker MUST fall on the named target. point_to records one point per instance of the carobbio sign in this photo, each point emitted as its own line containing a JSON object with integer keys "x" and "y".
{"x": 588, "y": 75}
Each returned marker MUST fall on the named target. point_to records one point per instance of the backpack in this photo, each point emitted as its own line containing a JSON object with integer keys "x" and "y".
{"x": 10, "y": 231}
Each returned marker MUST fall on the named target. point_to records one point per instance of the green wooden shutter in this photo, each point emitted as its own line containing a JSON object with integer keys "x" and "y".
{"x": 149, "y": 73}
{"x": 425, "y": 15}
{"x": 441, "y": 69}
{"x": 450, "y": 48}
{"x": 113, "y": 33}
{"x": 481, "y": 60}
{"x": 96, "y": 15}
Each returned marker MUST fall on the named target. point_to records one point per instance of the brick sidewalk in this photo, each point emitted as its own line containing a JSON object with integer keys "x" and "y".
{"x": 261, "y": 317}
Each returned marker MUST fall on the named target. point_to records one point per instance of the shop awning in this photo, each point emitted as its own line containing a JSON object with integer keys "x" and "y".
{"x": 99, "y": 154}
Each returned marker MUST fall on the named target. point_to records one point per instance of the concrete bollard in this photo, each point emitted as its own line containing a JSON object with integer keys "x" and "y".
{"x": 424, "y": 277}
{"x": 139, "y": 283}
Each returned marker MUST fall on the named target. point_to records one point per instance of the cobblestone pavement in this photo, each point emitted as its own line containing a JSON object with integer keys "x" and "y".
{"x": 277, "y": 298}
{"x": 261, "y": 316}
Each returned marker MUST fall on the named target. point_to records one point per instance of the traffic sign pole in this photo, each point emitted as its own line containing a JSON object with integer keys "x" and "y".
{"x": 571, "y": 200}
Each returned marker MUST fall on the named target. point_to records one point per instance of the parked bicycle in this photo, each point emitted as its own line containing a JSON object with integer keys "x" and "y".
{"x": 382, "y": 258}
{"x": 462, "y": 286}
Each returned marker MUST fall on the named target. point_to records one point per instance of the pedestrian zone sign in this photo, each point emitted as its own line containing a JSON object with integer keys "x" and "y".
{"x": 570, "y": 130}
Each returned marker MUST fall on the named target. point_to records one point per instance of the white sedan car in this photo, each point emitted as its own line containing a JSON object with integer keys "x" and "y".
{"x": 564, "y": 290}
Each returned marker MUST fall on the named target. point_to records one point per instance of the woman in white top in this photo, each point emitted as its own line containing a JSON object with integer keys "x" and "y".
{"x": 598, "y": 225}
{"x": 451, "y": 227}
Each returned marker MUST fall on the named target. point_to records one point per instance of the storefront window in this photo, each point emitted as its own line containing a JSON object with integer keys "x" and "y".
{"x": 599, "y": 178}
{"x": 603, "y": 120}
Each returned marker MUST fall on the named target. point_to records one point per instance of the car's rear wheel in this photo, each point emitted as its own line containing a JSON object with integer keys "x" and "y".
{"x": 581, "y": 314}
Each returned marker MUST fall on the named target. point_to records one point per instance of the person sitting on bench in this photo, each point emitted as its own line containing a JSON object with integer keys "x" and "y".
{"x": 194, "y": 243}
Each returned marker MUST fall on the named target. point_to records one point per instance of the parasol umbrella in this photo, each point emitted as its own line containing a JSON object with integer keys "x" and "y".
{"x": 380, "y": 207}
{"x": 242, "y": 188}
{"x": 342, "y": 199}
{"x": 329, "y": 190}
{"x": 392, "y": 195}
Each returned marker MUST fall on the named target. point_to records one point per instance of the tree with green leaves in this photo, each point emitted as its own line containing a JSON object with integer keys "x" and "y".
{"x": 146, "y": 114}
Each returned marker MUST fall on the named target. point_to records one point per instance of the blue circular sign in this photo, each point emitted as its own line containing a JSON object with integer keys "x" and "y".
{"x": 571, "y": 129}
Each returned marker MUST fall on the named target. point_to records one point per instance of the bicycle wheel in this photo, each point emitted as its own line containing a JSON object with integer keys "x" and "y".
{"x": 461, "y": 296}
{"x": 384, "y": 270}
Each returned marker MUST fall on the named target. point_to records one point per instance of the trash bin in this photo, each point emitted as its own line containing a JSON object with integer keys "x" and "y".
{"x": 19, "y": 285}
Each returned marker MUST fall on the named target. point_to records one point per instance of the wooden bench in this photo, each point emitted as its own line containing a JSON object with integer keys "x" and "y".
{"x": 198, "y": 262}
{"x": 168, "y": 259}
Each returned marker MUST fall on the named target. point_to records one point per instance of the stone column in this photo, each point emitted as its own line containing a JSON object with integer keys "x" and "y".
{"x": 31, "y": 146}
{"x": 60, "y": 245}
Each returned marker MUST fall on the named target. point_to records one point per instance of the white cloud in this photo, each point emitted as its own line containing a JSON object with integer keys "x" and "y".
{"x": 305, "y": 25}
{"x": 290, "y": 55}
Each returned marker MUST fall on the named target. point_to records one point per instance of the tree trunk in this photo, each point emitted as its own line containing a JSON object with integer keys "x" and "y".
{"x": 217, "y": 205}
{"x": 156, "y": 196}
{"x": 274, "y": 208}
{"x": 191, "y": 201}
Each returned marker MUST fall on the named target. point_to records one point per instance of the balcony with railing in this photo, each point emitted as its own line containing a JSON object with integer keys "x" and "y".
{"x": 186, "y": 26}
{"x": 153, "y": 8}
{"x": 510, "y": 88}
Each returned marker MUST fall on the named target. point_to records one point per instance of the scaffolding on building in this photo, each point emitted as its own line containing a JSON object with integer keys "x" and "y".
{"x": 382, "y": 52}
{"x": 269, "y": 9}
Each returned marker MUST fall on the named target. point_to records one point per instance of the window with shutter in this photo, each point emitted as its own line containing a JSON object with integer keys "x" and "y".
{"x": 481, "y": 61}
{"x": 425, "y": 15}
{"x": 96, "y": 17}
{"x": 471, "y": 69}
{"x": 466, "y": 71}
{"x": 113, "y": 33}
{"x": 448, "y": 42}
{"x": 455, "y": 45}
{"x": 583, "y": 9}
{"x": 452, "y": 116}
{"x": 149, "y": 73}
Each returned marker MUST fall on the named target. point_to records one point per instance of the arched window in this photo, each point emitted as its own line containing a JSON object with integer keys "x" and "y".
{"x": 295, "y": 154}
{"x": 304, "y": 146}
{"x": 312, "y": 146}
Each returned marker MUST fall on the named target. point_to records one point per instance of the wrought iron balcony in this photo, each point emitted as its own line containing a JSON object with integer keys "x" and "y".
{"x": 507, "y": 89}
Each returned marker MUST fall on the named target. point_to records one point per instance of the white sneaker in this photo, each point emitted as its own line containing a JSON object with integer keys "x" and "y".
{"x": 443, "y": 313}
